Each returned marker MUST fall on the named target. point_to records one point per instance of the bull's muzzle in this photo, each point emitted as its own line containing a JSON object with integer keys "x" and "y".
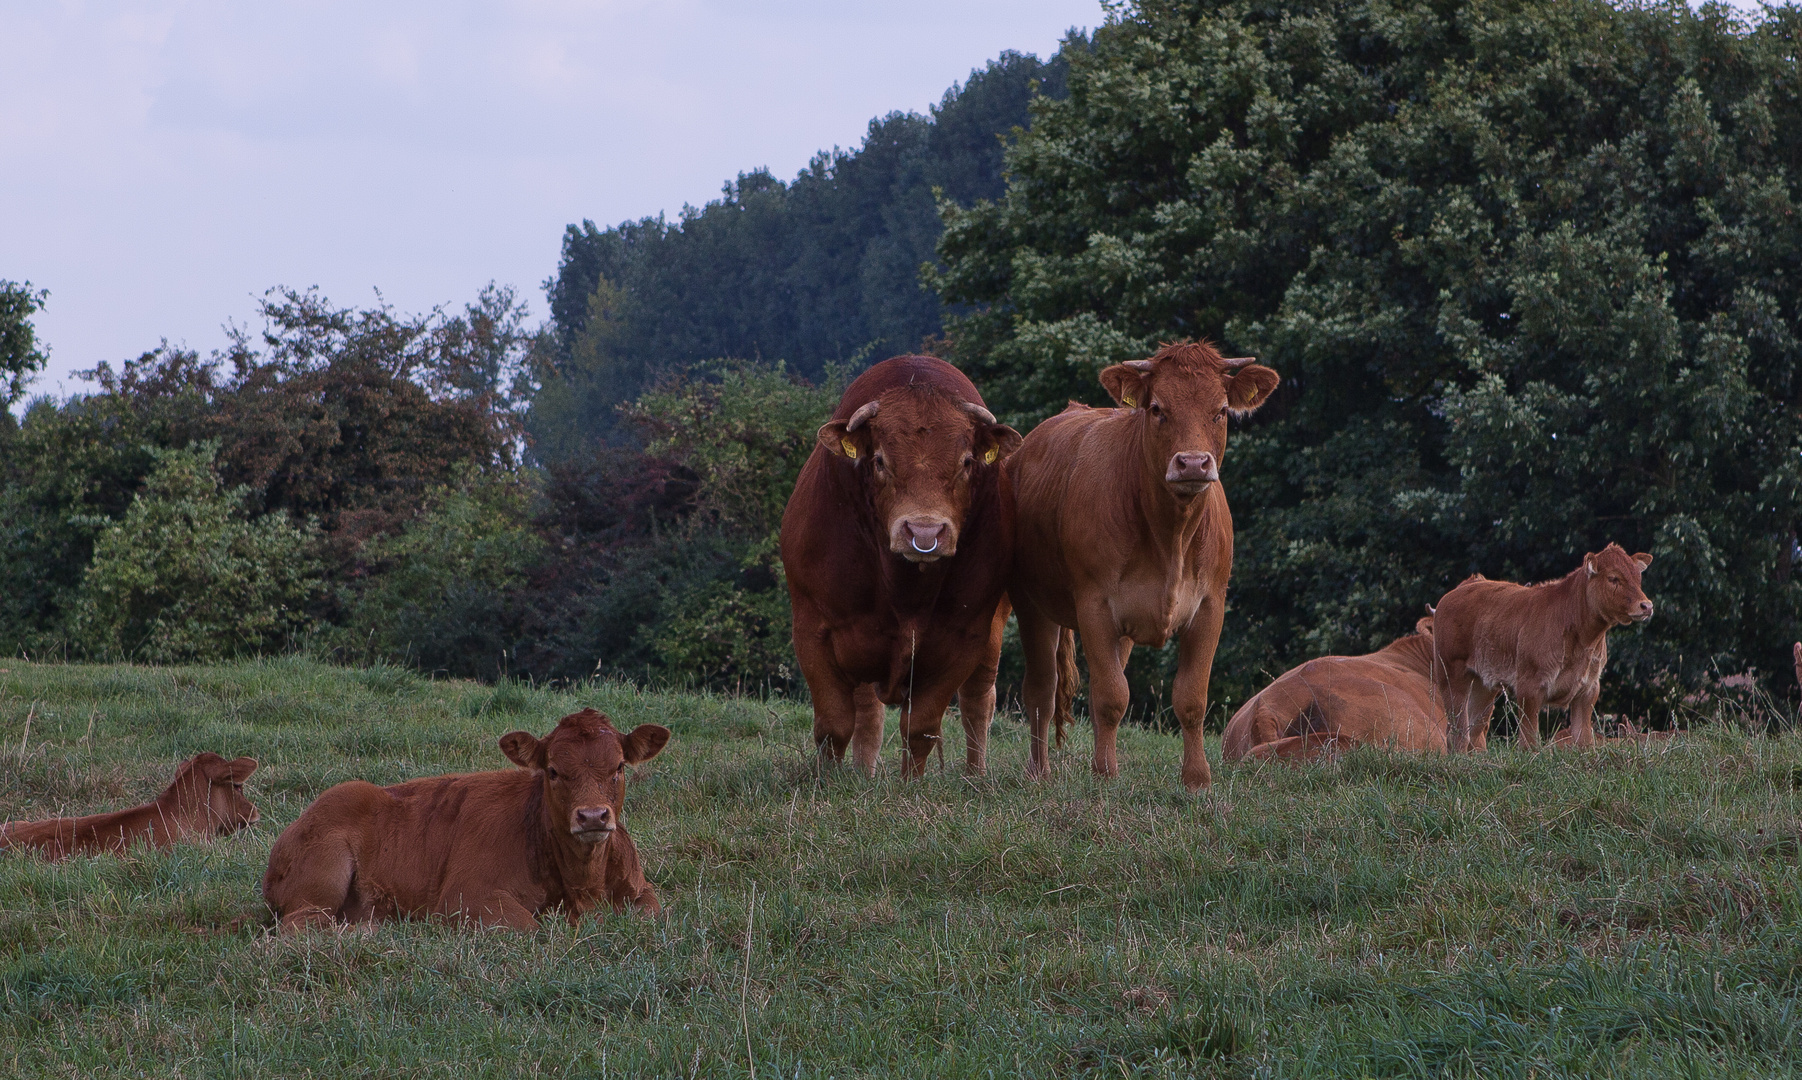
{"x": 1191, "y": 471}
{"x": 923, "y": 539}
{"x": 592, "y": 824}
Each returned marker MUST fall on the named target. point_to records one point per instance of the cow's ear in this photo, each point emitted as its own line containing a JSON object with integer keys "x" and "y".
{"x": 1424, "y": 625}
{"x": 239, "y": 769}
{"x": 1644, "y": 560}
{"x": 851, "y": 445}
{"x": 1589, "y": 563}
{"x": 644, "y": 743}
{"x": 994, "y": 442}
{"x": 523, "y": 749}
{"x": 1250, "y": 387}
{"x": 1125, "y": 385}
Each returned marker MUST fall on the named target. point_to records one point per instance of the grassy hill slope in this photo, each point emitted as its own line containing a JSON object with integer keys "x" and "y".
{"x": 1627, "y": 912}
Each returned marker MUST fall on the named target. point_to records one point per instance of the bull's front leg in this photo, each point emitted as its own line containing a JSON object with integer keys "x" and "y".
{"x": 1194, "y": 664}
{"x": 866, "y": 728}
{"x": 922, "y": 721}
{"x": 835, "y": 698}
{"x": 976, "y": 697}
{"x": 1108, "y": 693}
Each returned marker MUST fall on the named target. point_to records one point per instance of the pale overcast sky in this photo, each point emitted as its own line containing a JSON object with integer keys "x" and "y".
{"x": 163, "y": 162}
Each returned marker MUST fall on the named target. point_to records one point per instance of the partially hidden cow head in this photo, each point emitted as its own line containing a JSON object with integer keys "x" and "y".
{"x": 207, "y": 794}
{"x": 583, "y": 761}
{"x": 920, "y": 450}
{"x": 1183, "y": 395}
{"x": 1613, "y": 584}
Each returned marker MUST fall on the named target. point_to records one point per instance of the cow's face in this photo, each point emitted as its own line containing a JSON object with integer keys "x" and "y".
{"x": 212, "y": 788}
{"x": 919, "y": 451}
{"x": 1183, "y": 396}
{"x": 1614, "y": 587}
{"x": 583, "y": 761}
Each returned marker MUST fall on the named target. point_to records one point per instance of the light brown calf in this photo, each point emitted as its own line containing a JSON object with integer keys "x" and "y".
{"x": 1545, "y": 644}
{"x": 501, "y": 848}
{"x": 205, "y": 799}
{"x": 1123, "y": 535}
{"x": 1337, "y": 702}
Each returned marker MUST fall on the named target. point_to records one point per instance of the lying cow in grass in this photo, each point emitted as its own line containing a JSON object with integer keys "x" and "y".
{"x": 1337, "y": 702}
{"x": 1545, "y": 644}
{"x": 501, "y": 848}
{"x": 205, "y": 799}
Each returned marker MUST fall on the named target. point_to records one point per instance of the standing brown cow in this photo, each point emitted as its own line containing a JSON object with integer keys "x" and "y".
{"x": 501, "y": 848}
{"x": 896, "y": 545}
{"x": 1546, "y": 644}
{"x": 1123, "y": 535}
{"x": 205, "y": 799}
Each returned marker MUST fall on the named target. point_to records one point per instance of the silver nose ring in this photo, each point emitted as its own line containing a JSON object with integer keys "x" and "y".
{"x": 914, "y": 542}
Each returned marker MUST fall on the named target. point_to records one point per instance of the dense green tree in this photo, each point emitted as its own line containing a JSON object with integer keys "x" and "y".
{"x": 20, "y": 356}
{"x": 1529, "y": 268}
{"x": 822, "y": 269}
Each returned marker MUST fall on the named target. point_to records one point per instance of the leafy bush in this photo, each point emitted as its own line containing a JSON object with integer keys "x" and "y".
{"x": 186, "y": 576}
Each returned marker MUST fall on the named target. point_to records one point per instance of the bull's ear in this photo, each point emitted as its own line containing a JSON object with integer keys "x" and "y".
{"x": 523, "y": 749}
{"x": 852, "y": 445}
{"x": 1125, "y": 385}
{"x": 1424, "y": 625}
{"x": 994, "y": 442}
{"x": 1250, "y": 387}
{"x": 1644, "y": 560}
{"x": 644, "y": 743}
{"x": 239, "y": 769}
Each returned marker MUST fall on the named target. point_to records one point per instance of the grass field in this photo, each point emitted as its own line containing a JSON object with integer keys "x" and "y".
{"x": 1625, "y": 912}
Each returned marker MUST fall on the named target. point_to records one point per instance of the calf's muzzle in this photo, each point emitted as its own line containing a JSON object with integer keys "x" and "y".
{"x": 592, "y": 823}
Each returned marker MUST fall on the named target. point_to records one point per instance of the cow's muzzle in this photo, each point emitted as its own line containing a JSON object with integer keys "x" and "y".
{"x": 1190, "y": 472}
{"x": 923, "y": 539}
{"x": 1643, "y": 611}
{"x": 592, "y": 824}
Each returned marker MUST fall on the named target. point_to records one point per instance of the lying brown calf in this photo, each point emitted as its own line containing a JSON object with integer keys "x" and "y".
{"x": 205, "y": 799}
{"x": 1546, "y": 644}
{"x": 1337, "y": 702}
{"x": 501, "y": 848}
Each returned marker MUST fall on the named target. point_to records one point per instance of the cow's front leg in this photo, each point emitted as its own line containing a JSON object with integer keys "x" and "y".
{"x": 1582, "y": 719}
{"x": 976, "y": 697}
{"x": 1194, "y": 664}
{"x": 505, "y": 909}
{"x": 1528, "y": 735}
{"x": 1108, "y": 693}
{"x": 1039, "y": 691}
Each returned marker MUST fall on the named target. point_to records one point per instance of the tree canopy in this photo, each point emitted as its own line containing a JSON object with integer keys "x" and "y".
{"x": 1529, "y": 269}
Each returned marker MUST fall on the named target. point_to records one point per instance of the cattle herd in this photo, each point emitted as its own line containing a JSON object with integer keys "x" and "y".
{"x": 917, "y": 525}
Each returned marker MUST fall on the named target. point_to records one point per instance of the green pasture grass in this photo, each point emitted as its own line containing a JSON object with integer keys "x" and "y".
{"x": 1622, "y": 912}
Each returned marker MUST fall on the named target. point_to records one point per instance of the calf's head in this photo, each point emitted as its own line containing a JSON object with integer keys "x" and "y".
{"x": 1182, "y": 397}
{"x": 1613, "y": 584}
{"x": 919, "y": 451}
{"x": 209, "y": 791}
{"x": 583, "y": 761}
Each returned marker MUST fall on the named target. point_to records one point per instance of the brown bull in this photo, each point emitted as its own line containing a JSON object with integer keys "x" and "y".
{"x": 501, "y": 848}
{"x": 1337, "y": 702}
{"x": 896, "y": 545}
{"x": 205, "y": 799}
{"x": 1123, "y": 535}
{"x": 1546, "y": 644}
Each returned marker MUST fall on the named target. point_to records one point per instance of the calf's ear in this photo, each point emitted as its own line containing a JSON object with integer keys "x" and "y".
{"x": 994, "y": 442}
{"x": 1126, "y": 385}
{"x": 1250, "y": 387}
{"x": 644, "y": 743}
{"x": 240, "y": 769}
{"x": 523, "y": 749}
{"x": 1644, "y": 560}
{"x": 851, "y": 445}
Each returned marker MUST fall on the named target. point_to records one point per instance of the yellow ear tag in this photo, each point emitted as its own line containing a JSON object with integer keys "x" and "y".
{"x": 1128, "y": 402}
{"x": 849, "y": 447}
{"x": 989, "y": 457}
